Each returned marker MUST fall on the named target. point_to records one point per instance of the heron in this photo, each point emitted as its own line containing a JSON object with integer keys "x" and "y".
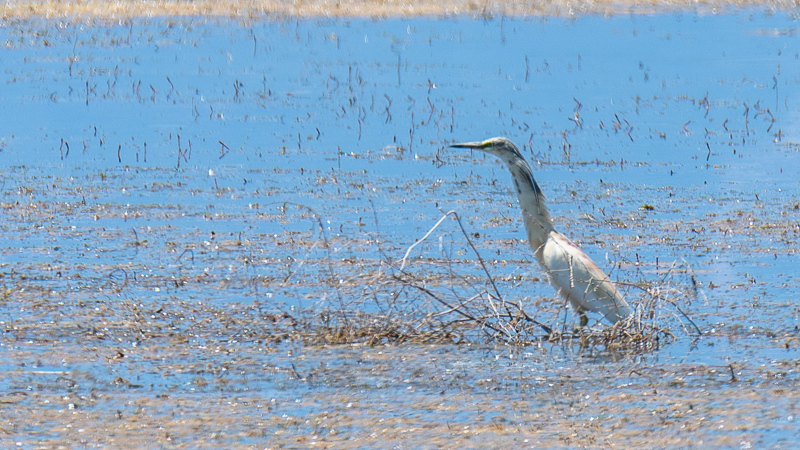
{"x": 570, "y": 271}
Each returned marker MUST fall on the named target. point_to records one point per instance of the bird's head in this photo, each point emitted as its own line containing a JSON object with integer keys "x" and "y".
{"x": 498, "y": 146}
{"x": 521, "y": 173}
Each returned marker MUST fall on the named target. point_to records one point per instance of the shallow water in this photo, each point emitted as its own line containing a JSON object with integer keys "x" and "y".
{"x": 169, "y": 187}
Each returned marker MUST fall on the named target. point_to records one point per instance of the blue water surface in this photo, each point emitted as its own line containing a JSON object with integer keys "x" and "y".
{"x": 146, "y": 150}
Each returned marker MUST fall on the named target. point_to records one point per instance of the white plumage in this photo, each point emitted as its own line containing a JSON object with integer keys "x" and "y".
{"x": 574, "y": 275}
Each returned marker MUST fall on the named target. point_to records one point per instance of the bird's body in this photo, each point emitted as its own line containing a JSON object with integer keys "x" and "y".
{"x": 574, "y": 275}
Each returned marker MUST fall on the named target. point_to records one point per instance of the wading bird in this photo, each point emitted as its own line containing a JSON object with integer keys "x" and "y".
{"x": 576, "y": 277}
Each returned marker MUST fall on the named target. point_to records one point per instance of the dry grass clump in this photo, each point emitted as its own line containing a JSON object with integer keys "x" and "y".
{"x": 436, "y": 299}
{"x": 377, "y": 331}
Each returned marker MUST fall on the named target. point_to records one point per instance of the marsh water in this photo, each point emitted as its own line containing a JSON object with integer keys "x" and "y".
{"x": 176, "y": 192}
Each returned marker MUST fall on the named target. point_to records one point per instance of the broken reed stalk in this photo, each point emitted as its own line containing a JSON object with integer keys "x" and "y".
{"x": 481, "y": 261}
{"x": 456, "y": 309}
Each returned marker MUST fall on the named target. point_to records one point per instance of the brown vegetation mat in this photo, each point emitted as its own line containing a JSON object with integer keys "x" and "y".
{"x": 253, "y": 9}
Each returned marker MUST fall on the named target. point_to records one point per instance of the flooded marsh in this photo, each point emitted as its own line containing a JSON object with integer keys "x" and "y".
{"x": 208, "y": 230}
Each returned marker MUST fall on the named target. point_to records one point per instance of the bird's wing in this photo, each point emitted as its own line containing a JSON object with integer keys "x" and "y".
{"x": 580, "y": 280}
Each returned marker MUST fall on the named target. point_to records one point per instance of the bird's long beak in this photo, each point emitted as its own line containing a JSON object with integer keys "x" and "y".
{"x": 474, "y": 145}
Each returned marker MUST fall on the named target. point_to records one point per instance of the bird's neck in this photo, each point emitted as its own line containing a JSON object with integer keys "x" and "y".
{"x": 535, "y": 214}
{"x": 537, "y": 221}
